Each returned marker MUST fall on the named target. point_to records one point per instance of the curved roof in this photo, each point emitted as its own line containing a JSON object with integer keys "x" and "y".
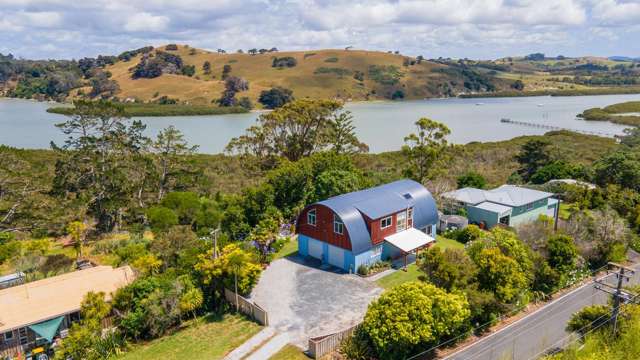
{"x": 381, "y": 201}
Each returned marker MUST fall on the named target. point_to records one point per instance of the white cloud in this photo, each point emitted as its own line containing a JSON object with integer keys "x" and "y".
{"x": 613, "y": 12}
{"x": 146, "y": 22}
{"x": 457, "y": 28}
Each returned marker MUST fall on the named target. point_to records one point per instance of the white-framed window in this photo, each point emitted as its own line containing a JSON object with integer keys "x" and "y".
{"x": 8, "y": 336}
{"x": 410, "y": 214}
{"x": 338, "y": 225}
{"x": 311, "y": 217}
{"x": 401, "y": 221}
{"x": 385, "y": 222}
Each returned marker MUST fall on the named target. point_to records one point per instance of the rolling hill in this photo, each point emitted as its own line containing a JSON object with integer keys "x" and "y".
{"x": 344, "y": 74}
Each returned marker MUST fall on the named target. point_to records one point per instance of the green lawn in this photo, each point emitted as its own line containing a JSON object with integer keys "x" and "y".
{"x": 446, "y": 243}
{"x": 212, "y": 338}
{"x": 289, "y": 248}
{"x": 412, "y": 273}
{"x": 289, "y": 352}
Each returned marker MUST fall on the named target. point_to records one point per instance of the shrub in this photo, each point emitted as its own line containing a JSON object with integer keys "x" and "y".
{"x": 357, "y": 346}
{"x": 245, "y": 103}
{"x": 471, "y": 179}
{"x": 331, "y": 60}
{"x": 286, "y": 61}
{"x": 363, "y": 270}
{"x": 162, "y": 218}
{"x": 275, "y": 97}
{"x": 171, "y": 47}
{"x": 588, "y": 318}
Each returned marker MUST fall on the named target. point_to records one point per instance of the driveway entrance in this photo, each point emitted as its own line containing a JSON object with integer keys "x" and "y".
{"x": 305, "y": 299}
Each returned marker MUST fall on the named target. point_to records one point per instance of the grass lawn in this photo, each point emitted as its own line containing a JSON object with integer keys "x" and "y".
{"x": 289, "y": 352}
{"x": 446, "y": 243}
{"x": 289, "y": 248}
{"x": 212, "y": 338}
{"x": 412, "y": 273}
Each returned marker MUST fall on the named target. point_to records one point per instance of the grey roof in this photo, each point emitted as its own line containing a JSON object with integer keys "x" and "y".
{"x": 493, "y": 207}
{"x": 509, "y": 195}
{"x": 380, "y": 201}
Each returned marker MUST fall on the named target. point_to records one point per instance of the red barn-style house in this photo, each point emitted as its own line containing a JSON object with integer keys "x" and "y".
{"x": 367, "y": 226}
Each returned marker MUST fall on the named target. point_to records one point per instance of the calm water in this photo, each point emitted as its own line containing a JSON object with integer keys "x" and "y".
{"x": 382, "y": 125}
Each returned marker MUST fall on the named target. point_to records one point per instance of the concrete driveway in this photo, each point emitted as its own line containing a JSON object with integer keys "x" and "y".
{"x": 304, "y": 299}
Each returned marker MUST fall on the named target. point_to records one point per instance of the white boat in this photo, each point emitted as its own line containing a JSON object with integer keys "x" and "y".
{"x": 478, "y": 104}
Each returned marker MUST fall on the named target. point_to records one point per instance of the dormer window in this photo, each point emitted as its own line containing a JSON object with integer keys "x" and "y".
{"x": 311, "y": 217}
{"x": 338, "y": 225}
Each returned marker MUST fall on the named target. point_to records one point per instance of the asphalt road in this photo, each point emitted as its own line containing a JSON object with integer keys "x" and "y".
{"x": 531, "y": 336}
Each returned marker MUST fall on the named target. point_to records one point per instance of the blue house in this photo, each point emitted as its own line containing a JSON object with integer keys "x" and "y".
{"x": 363, "y": 227}
{"x": 508, "y": 205}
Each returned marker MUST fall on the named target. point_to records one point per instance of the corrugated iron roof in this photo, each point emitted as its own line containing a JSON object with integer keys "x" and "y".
{"x": 381, "y": 201}
{"x": 509, "y": 195}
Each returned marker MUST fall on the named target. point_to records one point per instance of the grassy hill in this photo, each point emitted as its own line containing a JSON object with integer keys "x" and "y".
{"x": 317, "y": 74}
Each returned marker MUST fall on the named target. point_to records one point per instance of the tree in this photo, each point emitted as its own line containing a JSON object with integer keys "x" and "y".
{"x": 85, "y": 340}
{"x": 264, "y": 234}
{"x": 233, "y": 268}
{"x": 171, "y": 245}
{"x": 275, "y": 97}
{"x": 451, "y": 269}
{"x": 206, "y": 67}
{"x": 501, "y": 275}
{"x": 471, "y": 179}
{"x": 551, "y": 171}
{"x": 245, "y": 103}
{"x": 342, "y": 135}
{"x": 533, "y": 155}
{"x": 620, "y": 167}
{"x": 293, "y": 131}
{"x": 425, "y": 148}
{"x": 161, "y": 218}
{"x": 562, "y": 253}
{"x": 232, "y": 86}
{"x": 413, "y": 316}
{"x": 226, "y": 70}
{"x": 78, "y": 232}
{"x": 191, "y": 301}
{"x": 517, "y": 85}
{"x": 170, "y": 149}
{"x": 335, "y": 182}
{"x": 147, "y": 264}
{"x": 98, "y": 158}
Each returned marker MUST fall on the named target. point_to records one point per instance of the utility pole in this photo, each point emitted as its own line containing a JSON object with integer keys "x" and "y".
{"x": 214, "y": 234}
{"x": 619, "y": 295}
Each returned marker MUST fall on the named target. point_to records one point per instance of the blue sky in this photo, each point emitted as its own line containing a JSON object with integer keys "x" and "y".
{"x": 455, "y": 28}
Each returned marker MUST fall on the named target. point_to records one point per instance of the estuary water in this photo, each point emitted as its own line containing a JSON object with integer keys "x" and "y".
{"x": 381, "y": 125}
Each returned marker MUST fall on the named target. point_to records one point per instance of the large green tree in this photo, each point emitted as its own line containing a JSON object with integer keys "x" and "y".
{"x": 533, "y": 155}
{"x": 450, "y": 269}
{"x": 103, "y": 148}
{"x": 296, "y": 130}
{"x": 171, "y": 150}
{"x": 425, "y": 148}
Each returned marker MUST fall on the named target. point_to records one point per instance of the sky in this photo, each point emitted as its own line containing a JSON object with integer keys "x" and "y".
{"x": 477, "y": 29}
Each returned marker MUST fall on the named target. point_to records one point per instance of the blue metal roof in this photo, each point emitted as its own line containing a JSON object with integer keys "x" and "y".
{"x": 381, "y": 201}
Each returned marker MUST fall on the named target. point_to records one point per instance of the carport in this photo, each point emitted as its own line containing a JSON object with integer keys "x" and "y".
{"x": 409, "y": 241}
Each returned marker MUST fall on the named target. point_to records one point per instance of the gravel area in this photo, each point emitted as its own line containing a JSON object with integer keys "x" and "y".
{"x": 305, "y": 300}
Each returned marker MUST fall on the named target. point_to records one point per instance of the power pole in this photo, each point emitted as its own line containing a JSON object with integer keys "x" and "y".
{"x": 619, "y": 295}
{"x": 214, "y": 234}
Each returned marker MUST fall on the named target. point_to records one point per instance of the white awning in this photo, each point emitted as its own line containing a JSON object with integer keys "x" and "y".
{"x": 409, "y": 240}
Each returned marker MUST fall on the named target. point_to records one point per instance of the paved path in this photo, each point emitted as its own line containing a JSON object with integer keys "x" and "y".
{"x": 250, "y": 345}
{"x": 270, "y": 348}
{"x": 527, "y": 338}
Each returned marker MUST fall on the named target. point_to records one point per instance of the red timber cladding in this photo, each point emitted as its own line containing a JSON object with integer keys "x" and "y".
{"x": 323, "y": 230}
{"x": 377, "y": 233}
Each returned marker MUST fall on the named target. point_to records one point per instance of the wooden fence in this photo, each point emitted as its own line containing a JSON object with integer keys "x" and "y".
{"x": 322, "y": 345}
{"x": 247, "y": 307}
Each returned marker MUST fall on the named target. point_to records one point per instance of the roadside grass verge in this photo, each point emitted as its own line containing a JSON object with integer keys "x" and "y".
{"x": 210, "y": 337}
{"x": 164, "y": 110}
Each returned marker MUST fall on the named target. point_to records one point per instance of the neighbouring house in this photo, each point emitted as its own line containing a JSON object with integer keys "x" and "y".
{"x": 507, "y": 205}
{"x": 32, "y": 315}
{"x": 385, "y": 222}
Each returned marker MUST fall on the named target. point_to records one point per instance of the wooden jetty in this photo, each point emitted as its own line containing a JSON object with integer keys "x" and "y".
{"x": 551, "y": 127}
